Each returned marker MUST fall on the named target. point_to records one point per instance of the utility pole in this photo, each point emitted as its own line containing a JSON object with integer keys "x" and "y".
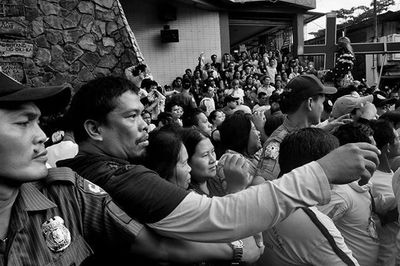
{"x": 375, "y": 56}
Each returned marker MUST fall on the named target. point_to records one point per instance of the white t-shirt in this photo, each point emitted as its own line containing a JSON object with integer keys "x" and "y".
{"x": 298, "y": 241}
{"x": 382, "y": 187}
{"x": 351, "y": 210}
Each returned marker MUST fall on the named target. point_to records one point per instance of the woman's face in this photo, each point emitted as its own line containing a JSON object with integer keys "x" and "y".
{"x": 254, "y": 143}
{"x": 176, "y": 111}
{"x": 147, "y": 118}
{"x": 203, "y": 125}
{"x": 219, "y": 118}
{"x": 237, "y": 75}
{"x": 182, "y": 173}
{"x": 203, "y": 161}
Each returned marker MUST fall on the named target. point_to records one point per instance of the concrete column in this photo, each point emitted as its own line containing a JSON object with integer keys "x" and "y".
{"x": 224, "y": 30}
{"x": 298, "y": 34}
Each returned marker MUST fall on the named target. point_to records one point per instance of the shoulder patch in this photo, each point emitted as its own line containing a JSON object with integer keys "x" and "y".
{"x": 92, "y": 188}
{"x": 272, "y": 150}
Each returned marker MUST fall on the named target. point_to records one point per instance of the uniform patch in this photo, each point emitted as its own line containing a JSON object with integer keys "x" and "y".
{"x": 92, "y": 188}
{"x": 57, "y": 236}
{"x": 272, "y": 150}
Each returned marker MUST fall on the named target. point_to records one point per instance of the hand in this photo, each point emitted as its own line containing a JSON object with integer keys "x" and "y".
{"x": 259, "y": 120}
{"x": 350, "y": 162}
{"x": 334, "y": 123}
{"x": 236, "y": 173}
{"x": 251, "y": 251}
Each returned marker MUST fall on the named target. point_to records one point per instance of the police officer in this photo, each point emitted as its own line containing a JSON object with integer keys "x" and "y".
{"x": 303, "y": 103}
{"x": 55, "y": 217}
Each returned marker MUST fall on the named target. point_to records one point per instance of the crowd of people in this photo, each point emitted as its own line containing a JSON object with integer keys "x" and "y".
{"x": 253, "y": 159}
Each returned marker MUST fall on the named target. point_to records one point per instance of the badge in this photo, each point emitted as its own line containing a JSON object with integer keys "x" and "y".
{"x": 272, "y": 150}
{"x": 92, "y": 188}
{"x": 57, "y": 236}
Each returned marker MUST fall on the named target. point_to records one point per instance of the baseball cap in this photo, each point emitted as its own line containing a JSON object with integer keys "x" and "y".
{"x": 347, "y": 103}
{"x": 381, "y": 99}
{"x": 49, "y": 98}
{"x": 392, "y": 116}
{"x": 307, "y": 85}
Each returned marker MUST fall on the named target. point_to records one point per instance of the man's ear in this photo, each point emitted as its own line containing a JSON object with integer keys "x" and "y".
{"x": 309, "y": 104}
{"x": 93, "y": 129}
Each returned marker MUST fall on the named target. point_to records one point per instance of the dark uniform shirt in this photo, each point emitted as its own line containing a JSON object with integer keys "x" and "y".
{"x": 95, "y": 223}
{"x": 268, "y": 166}
{"x": 140, "y": 196}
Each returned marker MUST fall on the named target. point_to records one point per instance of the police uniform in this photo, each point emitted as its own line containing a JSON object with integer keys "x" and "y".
{"x": 63, "y": 220}
{"x": 268, "y": 166}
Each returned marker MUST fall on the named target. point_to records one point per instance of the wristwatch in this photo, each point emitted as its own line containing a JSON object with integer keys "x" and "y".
{"x": 237, "y": 247}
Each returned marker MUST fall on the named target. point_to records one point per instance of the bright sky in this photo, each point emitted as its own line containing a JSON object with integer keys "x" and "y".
{"x": 325, "y": 6}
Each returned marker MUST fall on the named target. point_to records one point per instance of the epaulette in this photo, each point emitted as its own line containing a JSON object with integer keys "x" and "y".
{"x": 60, "y": 174}
{"x": 281, "y": 135}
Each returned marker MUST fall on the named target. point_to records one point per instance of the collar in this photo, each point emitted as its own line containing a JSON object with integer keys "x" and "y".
{"x": 290, "y": 126}
{"x": 33, "y": 199}
{"x": 360, "y": 189}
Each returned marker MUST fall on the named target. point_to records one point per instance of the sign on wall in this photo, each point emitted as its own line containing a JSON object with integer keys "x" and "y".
{"x": 12, "y": 27}
{"x": 16, "y": 48}
{"x": 13, "y": 69}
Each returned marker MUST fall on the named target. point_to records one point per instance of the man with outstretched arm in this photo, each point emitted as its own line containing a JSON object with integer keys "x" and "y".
{"x": 112, "y": 137}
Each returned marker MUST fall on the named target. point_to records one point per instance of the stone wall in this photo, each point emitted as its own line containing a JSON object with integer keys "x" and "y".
{"x": 49, "y": 42}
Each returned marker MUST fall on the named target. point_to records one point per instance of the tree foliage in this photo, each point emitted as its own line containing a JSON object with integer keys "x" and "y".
{"x": 358, "y": 14}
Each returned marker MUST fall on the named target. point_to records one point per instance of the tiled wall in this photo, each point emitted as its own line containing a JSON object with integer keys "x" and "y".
{"x": 199, "y": 31}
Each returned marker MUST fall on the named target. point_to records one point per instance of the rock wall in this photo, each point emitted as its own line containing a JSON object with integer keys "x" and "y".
{"x": 49, "y": 42}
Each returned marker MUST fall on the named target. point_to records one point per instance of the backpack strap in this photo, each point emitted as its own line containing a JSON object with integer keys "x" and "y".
{"x": 343, "y": 256}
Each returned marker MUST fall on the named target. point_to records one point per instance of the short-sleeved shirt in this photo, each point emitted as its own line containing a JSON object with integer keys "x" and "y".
{"x": 268, "y": 166}
{"x": 290, "y": 242}
{"x": 350, "y": 209}
{"x": 96, "y": 225}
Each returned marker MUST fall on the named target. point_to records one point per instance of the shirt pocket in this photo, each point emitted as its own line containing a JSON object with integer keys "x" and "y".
{"x": 74, "y": 254}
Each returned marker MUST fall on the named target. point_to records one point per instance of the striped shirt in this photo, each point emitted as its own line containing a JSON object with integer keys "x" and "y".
{"x": 95, "y": 223}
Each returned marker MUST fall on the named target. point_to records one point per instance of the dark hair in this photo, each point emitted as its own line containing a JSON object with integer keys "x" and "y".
{"x": 213, "y": 115}
{"x": 261, "y": 94}
{"x": 147, "y": 83}
{"x": 353, "y": 132}
{"x": 139, "y": 68}
{"x": 145, "y": 112}
{"x": 383, "y": 133}
{"x": 304, "y": 146}
{"x": 165, "y": 118}
{"x": 170, "y": 104}
{"x": 95, "y": 100}
{"x": 235, "y": 131}
{"x": 290, "y": 103}
{"x": 272, "y": 123}
{"x": 162, "y": 154}
{"x": 191, "y": 118}
{"x": 191, "y": 138}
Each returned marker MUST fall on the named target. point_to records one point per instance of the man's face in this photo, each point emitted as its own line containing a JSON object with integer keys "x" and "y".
{"x": 124, "y": 134}
{"x": 263, "y": 100}
{"x": 317, "y": 108}
{"x": 394, "y": 148}
{"x": 395, "y": 95}
{"x": 23, "y": 156}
